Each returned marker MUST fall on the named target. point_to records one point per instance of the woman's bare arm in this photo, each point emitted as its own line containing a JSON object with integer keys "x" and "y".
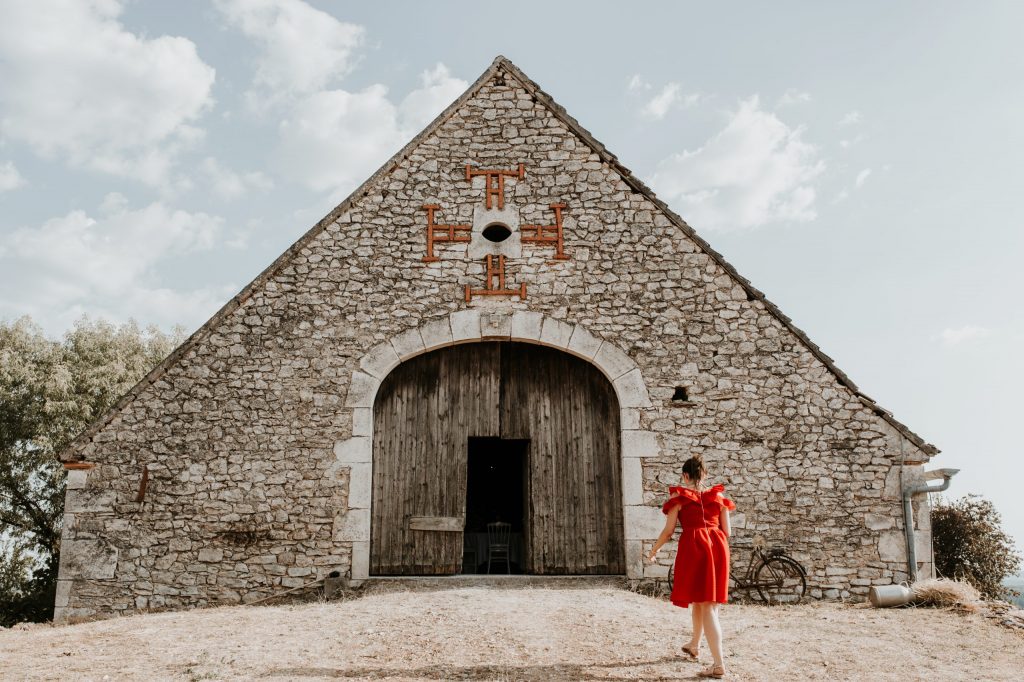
{"x": 723, "y": 522}
{"x": 666, "y": 533}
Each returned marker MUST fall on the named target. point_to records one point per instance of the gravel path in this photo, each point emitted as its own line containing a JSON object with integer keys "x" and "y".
{"x": 493, "y": 633}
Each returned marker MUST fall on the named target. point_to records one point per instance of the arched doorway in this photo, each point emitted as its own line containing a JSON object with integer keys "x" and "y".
{"x": 442, "y": 419}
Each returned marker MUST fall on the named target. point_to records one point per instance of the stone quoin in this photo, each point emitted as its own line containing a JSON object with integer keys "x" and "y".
{"x": 243, "y": 465}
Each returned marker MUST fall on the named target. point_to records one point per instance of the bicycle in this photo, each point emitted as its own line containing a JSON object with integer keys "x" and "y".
{"x": 777, "y": 577}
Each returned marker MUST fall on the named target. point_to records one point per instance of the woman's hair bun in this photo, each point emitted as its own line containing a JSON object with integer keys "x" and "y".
{"x": 694, "y": 467}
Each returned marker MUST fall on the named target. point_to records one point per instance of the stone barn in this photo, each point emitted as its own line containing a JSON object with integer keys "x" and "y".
{"x": 502, "y": 323}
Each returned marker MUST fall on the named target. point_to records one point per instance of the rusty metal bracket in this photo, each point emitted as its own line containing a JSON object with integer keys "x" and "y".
{"x": 142, "y": 484}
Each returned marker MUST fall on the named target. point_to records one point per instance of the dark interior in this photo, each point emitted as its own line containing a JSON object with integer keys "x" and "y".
{"x": 496, "y": 491}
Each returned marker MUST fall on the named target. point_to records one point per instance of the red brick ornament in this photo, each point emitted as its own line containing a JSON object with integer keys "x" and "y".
{"x": 494, "y": 194}
{"x": 547, "y": 234}
{"x": 495, "y": 182}
{"x": 495, "y": 282}
{"x": 442, "y": 233}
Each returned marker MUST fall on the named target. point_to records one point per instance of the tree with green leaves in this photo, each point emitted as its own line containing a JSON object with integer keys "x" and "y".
{"x": 970, "y": 545}
{"x": 49, "y": 392}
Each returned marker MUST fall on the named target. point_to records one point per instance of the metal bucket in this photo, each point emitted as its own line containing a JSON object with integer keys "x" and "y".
{"x": 890, "y": 595}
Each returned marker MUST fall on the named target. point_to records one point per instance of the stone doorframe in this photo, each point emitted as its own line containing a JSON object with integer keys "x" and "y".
{"x": 641, "y": 522}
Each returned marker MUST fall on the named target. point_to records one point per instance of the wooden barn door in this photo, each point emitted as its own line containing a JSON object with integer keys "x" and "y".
{"x": 426, "y": 410}
{"x": 429, "y": 407}
{"x": 569, "y": 412}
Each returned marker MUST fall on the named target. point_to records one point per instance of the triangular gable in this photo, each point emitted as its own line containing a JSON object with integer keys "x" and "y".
{"x": 500, "y": 63}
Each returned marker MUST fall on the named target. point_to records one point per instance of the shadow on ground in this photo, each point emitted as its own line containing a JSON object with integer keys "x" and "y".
{"x": 526, "y": 673}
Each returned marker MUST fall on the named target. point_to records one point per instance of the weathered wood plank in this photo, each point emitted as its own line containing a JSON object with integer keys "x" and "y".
{"x": 437, "y": 523}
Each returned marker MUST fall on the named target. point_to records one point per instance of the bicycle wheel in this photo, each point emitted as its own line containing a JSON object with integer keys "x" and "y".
{"x": 781, "y": 580}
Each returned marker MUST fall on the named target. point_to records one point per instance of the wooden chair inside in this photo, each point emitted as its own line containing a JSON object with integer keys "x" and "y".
{"x": 498, "y": 535}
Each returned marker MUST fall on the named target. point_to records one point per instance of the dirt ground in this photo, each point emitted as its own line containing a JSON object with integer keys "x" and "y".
{"x": 488, "y": 633}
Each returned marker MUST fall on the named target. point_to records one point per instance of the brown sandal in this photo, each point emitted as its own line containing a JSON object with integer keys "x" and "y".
{"x": 692, "y": 653}
{"x": 716, "y": 671}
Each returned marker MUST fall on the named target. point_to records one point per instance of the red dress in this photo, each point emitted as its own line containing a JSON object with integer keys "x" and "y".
{"x": 702, "y": 560}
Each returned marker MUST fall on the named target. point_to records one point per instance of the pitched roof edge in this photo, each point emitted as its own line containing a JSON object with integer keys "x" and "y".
{"x": 68, "y": 453}
{"x": 627, "y": 175}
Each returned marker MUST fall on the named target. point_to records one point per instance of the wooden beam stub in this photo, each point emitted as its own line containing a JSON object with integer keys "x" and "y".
{"x": 438, "y": 523}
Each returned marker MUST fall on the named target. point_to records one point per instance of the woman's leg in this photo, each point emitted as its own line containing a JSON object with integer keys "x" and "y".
{"x": 697, "y": 617}
{"x": 713, "y": 631}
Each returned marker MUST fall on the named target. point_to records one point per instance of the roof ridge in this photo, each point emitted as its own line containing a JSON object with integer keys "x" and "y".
{"x": 542, "y": 97}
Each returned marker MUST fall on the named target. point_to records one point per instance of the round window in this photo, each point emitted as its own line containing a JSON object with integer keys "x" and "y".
{"x": 496, "y": 232}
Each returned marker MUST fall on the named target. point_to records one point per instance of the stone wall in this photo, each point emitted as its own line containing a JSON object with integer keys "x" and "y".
{"x": 247, "y": 496}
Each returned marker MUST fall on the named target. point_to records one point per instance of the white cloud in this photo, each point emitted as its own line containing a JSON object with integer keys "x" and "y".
{"x": 791, "y": 97}
{"x": 668, "y": 97}
{"x": 334, "y": 139}
{"x": 756, "y": 170}
{"x": 10, "y": 178}
{"x": 78, "y": 86}
{"x": 303, "y": 50}
{"x": 437, "y": 90}
{"x": 850, "y": 142}
{"x": 228, "y": 184}
{"x": 106, "y": 265}
{"x": 659, "y": 105}
{"x": 638, "y": 83}
{"x": 337, "y": 138}
{"x": 954, "y": 337}
{"x": 329, "y": 138}
{"x": 851, "y": 118}
{"x": 858, "y": 182}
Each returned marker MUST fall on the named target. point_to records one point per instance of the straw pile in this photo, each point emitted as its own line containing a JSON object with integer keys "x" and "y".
{"x": 946, "y": 593}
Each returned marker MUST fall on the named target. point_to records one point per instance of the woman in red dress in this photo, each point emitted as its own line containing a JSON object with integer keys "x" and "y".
{"x": 702, "y": 560}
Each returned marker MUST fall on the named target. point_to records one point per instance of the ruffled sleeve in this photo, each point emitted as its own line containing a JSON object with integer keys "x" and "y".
{"x": 716, "y": 493}
{"x": 672, "y": 503}
{"x": 678, "y": 496}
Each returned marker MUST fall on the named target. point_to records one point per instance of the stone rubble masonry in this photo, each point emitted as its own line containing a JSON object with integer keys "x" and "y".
{"x": 257, "y": 434}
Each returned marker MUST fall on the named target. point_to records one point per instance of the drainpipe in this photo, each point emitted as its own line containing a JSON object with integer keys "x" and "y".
{"x": 908, "y": 515}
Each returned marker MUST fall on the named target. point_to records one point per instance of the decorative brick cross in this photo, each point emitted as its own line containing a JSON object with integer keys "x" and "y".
{"x": 547, "y": 234}
{"x": 442, "y": 233}
{"x": 495, "y": 282}
{"x": 495, "y": 182}
{"x": 494, "y": 194}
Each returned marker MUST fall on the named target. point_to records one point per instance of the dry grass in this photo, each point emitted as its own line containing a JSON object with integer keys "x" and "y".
{"x": 490, "y": 633}
{"x": 946, "y": 593}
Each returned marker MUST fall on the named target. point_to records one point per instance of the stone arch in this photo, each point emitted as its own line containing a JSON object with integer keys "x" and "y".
{"x": 641, "y": 522}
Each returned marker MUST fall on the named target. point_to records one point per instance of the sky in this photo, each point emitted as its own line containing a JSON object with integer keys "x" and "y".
{"x": 860, "y": 163}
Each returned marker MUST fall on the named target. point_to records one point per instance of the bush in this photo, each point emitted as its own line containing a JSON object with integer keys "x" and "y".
{"x": 970, "y": 545}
